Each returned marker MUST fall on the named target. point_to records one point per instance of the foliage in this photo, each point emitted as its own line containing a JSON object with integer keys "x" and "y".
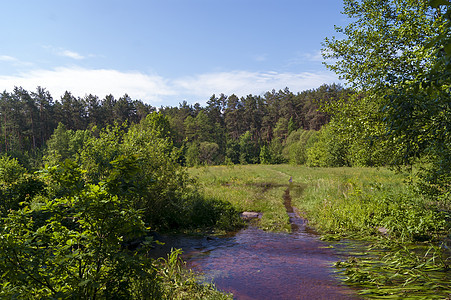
{"x": 30, "y": 122}
{"x": 328, "y": 150}
{"x": 269, "y": 120}
{"x": 356, "y": 124}
{"x": 16, "y": 185}
{"x": 248, "y": 149}
{"x": 397, "y": 52}
{"x": 72, "y": 246}
{"x": 383, "y": 42}
{"x": 265, "y": 155}
{"x": 65, "y": 144}
{"x": 204, "y": 153}
{"x": 272, "y": 154}
{"x": 418, "y": 109}
{"x": 295, "y": 151}
{"x": 84, "y": 234}
{"x": 192, "y": 155}
{"x": 28, "y": 119}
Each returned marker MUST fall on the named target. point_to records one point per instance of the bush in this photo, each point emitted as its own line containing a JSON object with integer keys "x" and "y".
{"x": 16, "y": 185}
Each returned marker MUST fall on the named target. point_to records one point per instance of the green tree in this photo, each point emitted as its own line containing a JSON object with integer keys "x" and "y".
{"x": 265, "y": 155}
{"x": 65, "y": 144}
{"x": 249, "y": 152}
{"x": 72, "y": 246}
{"x": 281, "y": 129}
{"x": 208, "y": 152}
{"x": 192, "y": 155}
{"x": 16, "y": 185}
{"x": 384, "y": 42}
{"x": 295, "y": 150}
{"x": 233, "y": 116}
{"x": 398, "y": 53}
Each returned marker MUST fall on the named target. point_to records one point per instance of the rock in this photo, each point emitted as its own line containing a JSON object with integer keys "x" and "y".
{"x": 248, "y": 215}
{"x": 382, "y": 230}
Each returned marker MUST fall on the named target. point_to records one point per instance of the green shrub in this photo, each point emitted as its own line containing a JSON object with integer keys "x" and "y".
{"x": 16, "y": 185}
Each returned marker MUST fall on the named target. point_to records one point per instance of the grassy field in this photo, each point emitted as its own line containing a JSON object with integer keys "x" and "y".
{"x": 260, "y": 188}
{"x": 371, "y": 204}
{"x": 248, "y": 188}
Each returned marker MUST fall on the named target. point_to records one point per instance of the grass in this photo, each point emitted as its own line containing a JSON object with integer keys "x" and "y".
{"x": 261, "y": 187}
{"x": 178, "y": 282}
{"x": 402, "y": 230}
{"x": 248, "y": 188}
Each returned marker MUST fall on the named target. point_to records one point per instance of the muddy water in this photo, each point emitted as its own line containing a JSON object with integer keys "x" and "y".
{"x": 254, "y": 264}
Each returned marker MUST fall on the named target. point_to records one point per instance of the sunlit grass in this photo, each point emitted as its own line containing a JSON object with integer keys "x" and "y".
{"x": 248, "y": 188}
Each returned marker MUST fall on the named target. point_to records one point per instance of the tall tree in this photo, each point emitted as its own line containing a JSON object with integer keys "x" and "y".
{"x": 233, "y": 114}
{"x": 391, "y": 50}
{"x": 44, "y": 103}
{"x": 71, "y": 112}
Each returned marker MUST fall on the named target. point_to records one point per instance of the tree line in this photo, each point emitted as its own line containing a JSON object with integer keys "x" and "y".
{"x": 228, "y": 129}
{"x": 28, "y": 119}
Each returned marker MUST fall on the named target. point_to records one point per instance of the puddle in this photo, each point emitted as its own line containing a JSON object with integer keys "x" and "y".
{"x": 255, "y": 264}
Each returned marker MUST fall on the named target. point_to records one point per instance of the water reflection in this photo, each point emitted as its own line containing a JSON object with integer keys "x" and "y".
{"x": 255, "y": 264}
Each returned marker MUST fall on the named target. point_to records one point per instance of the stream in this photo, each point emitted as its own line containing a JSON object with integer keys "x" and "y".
{"x": 255, "y": 264}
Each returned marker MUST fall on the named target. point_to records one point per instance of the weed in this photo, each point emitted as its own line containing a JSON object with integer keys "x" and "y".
{"x": 178, "y": 282}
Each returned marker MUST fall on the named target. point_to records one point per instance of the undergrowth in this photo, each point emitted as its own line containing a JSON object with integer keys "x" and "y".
{"x": 181, "y": 283}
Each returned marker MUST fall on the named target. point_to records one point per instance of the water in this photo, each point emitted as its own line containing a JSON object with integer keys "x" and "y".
{"x": 254, "y": 264}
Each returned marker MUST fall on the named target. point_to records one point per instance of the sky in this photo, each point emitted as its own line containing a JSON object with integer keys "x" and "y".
{"x": 164, "y": 52}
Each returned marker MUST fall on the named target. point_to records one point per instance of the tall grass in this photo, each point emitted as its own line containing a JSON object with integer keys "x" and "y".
{"x": 248, "y": 188}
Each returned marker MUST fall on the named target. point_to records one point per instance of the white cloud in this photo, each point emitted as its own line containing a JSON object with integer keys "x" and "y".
{"x": 64, "y": 52}
{"x": 306, "y": 57}
{"x": 7, "y": 58}
{"x": 70, "y": 54}
{"x": 100, "y": 82}
{"x": 156, "y": 90}
{"x": 243, "y": 83}
{"x": 317, "y": 56}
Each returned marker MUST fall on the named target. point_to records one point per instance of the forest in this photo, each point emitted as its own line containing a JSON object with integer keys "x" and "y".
{"x": 227, "y": 129}
{"x": 85, "y": 182}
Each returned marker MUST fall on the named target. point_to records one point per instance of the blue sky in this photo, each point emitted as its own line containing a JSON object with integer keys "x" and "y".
{"x": 165, "y": 51}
